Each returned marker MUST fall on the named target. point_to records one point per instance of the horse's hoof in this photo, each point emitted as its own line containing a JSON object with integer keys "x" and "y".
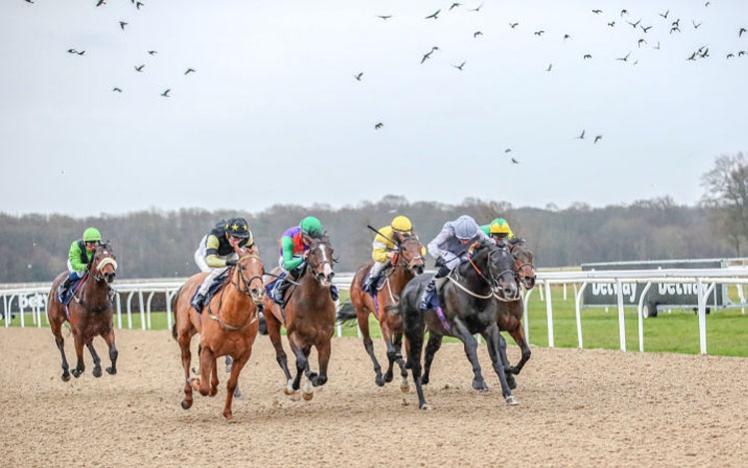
{"x": 227, "y": 414}
{"x": 238, "y": 395}
{"x": 405, "y": 388}
{"x": 186, "y": 404}
{"x": 289, "y": 391}
{"x": 480, "y": 386}
{"x": 96, "y": 372}
{"x": 511, "y": 382}
{"x": 425, "y": 380}
{"x": 307, "y": 396}
{"x": 425, "y": 407}
{"x": 307, "y": 392}
{"x": 511, "y": 400}
{"x": 388, "y": 378}
{"x": 379, "y": 380}
{"x": 65, "y": 376}
{"x": 213, "y": 392}
{"x": 111, "y": 370}
{"x": 76, "y": 373}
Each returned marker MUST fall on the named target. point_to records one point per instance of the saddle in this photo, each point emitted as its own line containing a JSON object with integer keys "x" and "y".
{"x": 65, "y": 294}
{"x": 216, "y": 286}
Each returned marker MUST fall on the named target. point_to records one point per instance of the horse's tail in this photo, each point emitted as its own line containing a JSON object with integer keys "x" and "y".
{"x": 346, "y": 312}
{"x": 174, "y": 311}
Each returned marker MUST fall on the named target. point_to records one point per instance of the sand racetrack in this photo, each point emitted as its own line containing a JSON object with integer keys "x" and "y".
{"x": 577, "y": 408}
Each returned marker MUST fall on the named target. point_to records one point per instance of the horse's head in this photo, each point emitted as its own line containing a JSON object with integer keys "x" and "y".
{"x": 411, "y": 255}
{"x": 320, "y": 260}
{"x": 501, "y": 273}
{"x": 103, "y": 266}
{"x": 250, "y": 271}
{"x": 523, "y": 262}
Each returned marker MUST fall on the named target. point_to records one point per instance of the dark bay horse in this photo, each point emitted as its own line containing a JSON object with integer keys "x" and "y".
{"x": 309, "y": 318}
{"x": 227, "y": 327}
{"x": 509, "y": 317}
{"x": 89, "y": 313}
{"x": 407, "y": 263}
{"x": 468, "y": 307}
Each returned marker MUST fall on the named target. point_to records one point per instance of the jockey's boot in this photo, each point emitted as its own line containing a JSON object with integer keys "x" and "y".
{"x": 279, "y": 290}
{"x": 370, "y": 285}
{"x": 427, "y": 295}
{"x": 334, "y": 292}
{"x": 197, "y": 302}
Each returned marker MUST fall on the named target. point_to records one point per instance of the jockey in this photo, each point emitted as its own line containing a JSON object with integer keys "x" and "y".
{"x": 294, "y": 249}
{"x": 498, "y": 230}
{"x": 219, "y": 250}
{"x": 384, "y": 248}
{"x": 79, "y": 256}
{"x": 450, "y": 249}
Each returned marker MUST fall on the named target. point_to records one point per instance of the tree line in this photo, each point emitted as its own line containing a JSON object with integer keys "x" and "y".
{"x": 158, "y": 243}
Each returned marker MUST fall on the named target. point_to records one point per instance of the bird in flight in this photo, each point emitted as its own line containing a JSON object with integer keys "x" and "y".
{"x": 664, "y": 15}
{"x": 508, "y": 150}
{"x": 740, "y": 33}
{"x": 73, "y": 51}
{"x": 189, "y": 70}
{"x": 696, "y": 25}
{"x": 730, "y": 55}
{"x": 138, "y": 5}
{"x": 581, "y": 136}
{"x": 166, "y": 93}
{"x": 741, "y": 53}
{"x": 454, "y": 5}
{"x": 477, "y": 8}
{"x": 384, "y": 17}
{"x": 612, "y": 24}
{"x": 427, "y": 55}
{"x": 100, "y": 2}
{"x": 624, "y": 12}
{"x": 514, "y": 161}
{"x": 634, "y": 25}
{"x": 677, "y": 23}
{"x": 513, "y": 25}
{"x": 122, "y": 25}
{"x": 707, "y": 4}
{"x": 624, "y": 59}
{"x": 434, "y": 15}
{"x": 476, "y": 34}
{"x": 29, "y": 1}
{"x": 140, "y": 68}
{"x": 459, "y": 67}
{"x": 646, "y": 29}
{"x": 567, "y": 36}
{"x": 587, "y": 56}
{"x": 550, "y": 66}
{"x": 116, "y": 90}
{"x": 657, "y": 47}
{"x": 641, "y": 41}
{"x": 674, "y": 29}
{"x": 598, "y": 138}
{"x": 378, "y": 126}
{"x": 358, "y": 76}
{"x": 597, "y": 12}
{"x": 152, "y": 52}
{"x": 692, "y": 58}
{"x": 539, "y": 33}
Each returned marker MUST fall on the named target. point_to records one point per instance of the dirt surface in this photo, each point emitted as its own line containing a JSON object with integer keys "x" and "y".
{"x": 589, "y": 408}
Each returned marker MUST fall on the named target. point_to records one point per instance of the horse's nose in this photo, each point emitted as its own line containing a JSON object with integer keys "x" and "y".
{"x": 110, "y": 277}
{"x": 510, "y": 289}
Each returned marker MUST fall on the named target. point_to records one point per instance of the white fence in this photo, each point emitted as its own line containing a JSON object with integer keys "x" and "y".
{"x": 34, "y": 297}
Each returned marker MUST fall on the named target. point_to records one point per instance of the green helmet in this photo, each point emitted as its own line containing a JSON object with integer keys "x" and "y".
{"x": 311, "y": 226}
{"x": 91, "y": 235}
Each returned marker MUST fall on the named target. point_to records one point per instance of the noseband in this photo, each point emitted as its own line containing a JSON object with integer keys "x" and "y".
{"x": 245, "y": 286}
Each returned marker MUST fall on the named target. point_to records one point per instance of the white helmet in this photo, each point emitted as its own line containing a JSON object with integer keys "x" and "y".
{"x": 465, "y": 227}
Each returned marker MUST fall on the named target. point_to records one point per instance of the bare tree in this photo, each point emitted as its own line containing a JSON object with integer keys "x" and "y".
{"x": 727, "y": 191}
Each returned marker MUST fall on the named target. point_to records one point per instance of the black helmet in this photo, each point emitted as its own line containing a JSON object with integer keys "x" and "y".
{"x": 238, "y": 227}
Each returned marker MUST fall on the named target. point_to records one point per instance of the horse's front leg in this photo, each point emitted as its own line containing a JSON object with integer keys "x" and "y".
{"x": 404, "y": 386}
{"x": 273, "y": 329}
{"x": 433, "y": 345}
{"x": 207, "y": 364}
{"x": 80, "y": 367}
{"x": 470, "y": 345}
{"x": 301, "y": 363}
{"x": 96, "y": 361}
{"x": 233, "y": 382}
{"x": 387, "y": 335}
{"x": 113, "y": 353}
{"x": 60, "y": 342}
{"x": 323, "y": 354}
{"x": 494, "y": 340}
{"x": 519, "y": 337}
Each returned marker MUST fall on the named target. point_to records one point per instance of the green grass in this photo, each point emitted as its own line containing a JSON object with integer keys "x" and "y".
{"x": 677, "y": 331}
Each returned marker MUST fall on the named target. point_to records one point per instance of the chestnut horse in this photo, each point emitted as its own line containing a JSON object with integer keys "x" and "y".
{"x": 406, "y": 264}
{"x": 227, "y": 326}
{"x": 309, "y": 318}
{"x": 89, "y": 313}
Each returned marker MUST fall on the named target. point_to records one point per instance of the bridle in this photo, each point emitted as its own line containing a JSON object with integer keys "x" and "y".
{"x": 524, "y": 269}
{"x": 243, "y": 285}
{"x": 322, "y": 247}
{"x": 490, "y": 279}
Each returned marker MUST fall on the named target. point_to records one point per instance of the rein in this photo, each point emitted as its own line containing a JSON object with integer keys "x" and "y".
{"x": 244, "y": 289}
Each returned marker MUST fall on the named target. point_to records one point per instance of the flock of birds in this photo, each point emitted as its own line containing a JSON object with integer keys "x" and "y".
{"x": 123, "y": 27}
{"x": 671, "y": 24}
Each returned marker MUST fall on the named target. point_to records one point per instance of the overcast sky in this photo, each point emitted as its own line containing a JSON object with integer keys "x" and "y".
{"x": 274, "y": 115}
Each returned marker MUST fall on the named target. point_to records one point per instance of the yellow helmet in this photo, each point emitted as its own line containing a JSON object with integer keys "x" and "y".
{"x": 499, "y": 227}
{"x": 402, "y": 224}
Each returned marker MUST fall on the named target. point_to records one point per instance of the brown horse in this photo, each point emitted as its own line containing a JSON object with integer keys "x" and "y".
{"x": 510, "y": 313}
{"x": 227, "y": 326}
{"x": 89, "y": 313}
{"x": 309, "y": 318}
{"x": 406, "y": 264}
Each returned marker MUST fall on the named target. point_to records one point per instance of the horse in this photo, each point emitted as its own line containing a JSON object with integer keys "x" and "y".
{"x": 511, "y": 312}
{"x": 309, "y": 318}
{"x": 509, "y": 317}
{"x": 227, "y": 326}
{"x": 468, "y": 307}
{"x": 89, "y": 313}
{"x": 406, "y": 264}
